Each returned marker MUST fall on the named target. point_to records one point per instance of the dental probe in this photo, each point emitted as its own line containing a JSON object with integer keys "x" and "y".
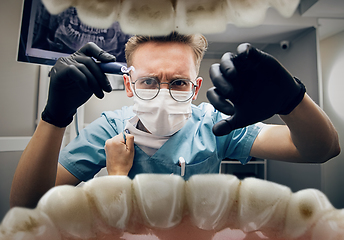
{"x": 124, "y": 137}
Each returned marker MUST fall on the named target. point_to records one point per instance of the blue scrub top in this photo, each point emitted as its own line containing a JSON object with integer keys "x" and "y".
{"x": 195, "y": 142}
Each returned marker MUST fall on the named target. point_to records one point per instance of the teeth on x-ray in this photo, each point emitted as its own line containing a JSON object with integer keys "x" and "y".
{"x": 158, "y": 17}
{"x": 115, "y": 207}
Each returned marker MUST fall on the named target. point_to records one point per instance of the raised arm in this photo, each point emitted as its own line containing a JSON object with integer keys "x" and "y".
{"x": 253, "y": 86}
{"x": 307, "y": 137}
{"x": 36, "y": 171}
{"x": 73, "y": 80}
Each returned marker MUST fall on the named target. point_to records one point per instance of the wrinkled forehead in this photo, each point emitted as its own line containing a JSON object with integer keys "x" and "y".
{"x": 167, "y": 58}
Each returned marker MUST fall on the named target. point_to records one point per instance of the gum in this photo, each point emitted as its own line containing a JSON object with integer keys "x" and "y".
{"x": 186, "y": 230}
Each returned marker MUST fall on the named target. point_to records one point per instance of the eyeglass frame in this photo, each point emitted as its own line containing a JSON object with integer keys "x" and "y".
{"x": 169, "y": 88}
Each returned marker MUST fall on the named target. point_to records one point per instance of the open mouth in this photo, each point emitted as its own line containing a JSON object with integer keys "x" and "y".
{"x": 153, "y": 206}
{"x": 206, "y": 207}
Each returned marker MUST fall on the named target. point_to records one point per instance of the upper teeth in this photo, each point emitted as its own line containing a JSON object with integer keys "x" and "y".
{"x": 156, "y": 17}
{"x": 147, "y": 17}
{"x": 211, "y": 202}
{"x": 98, "y": 13}
{"x": 201, "y": 16}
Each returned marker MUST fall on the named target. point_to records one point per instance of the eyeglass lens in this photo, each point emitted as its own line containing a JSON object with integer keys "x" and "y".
{"x": 180, "y": 89}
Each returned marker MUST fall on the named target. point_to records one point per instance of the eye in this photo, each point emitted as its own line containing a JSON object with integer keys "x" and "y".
{"x": 146, "y": 83}
{"x": 181, "y": 84}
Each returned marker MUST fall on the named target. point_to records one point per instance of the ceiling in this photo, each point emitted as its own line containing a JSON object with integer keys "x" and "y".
{"x": 325, "y": 15}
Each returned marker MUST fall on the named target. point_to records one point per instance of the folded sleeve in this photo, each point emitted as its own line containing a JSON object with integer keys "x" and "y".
{"x": 237, "y": 145}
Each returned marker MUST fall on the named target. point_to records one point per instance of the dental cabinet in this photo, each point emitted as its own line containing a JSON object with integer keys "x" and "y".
{"x": 254, "y": 168}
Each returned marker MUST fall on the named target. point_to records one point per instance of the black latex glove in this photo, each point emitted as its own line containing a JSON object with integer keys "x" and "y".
{"x": 73, "y": 80}
{"x": 251, "y": 86}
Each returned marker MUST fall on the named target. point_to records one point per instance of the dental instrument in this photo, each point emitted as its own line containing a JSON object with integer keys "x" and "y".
{"x": 113, "y": 67}
{"x": 124, "y": 136}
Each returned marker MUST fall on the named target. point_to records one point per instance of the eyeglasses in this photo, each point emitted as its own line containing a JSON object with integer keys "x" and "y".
{"x": 147, "y": 88}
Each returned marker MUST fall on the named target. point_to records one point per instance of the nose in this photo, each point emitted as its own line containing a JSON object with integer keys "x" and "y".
{"x": 164, "y": 85}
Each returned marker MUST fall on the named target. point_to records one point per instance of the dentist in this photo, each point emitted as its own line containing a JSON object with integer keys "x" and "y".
{"x": 165, "y": 128}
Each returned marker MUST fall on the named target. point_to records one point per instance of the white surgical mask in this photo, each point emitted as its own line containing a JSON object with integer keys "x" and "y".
{"x": 162, "y": 116}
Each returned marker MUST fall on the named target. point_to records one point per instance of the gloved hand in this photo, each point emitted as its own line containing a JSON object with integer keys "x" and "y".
{"x": 251, "y": 86}
{"x": 73, "y": 80}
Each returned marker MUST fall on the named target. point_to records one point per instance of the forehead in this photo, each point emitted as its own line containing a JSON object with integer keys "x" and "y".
{"x": 155, "y": 58}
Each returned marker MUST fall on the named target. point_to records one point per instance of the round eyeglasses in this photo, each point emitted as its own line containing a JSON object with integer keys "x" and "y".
{"x": 147, "y": 88}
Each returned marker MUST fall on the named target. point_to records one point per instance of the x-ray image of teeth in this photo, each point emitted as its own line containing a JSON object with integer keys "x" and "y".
{"x": 66, "y": 33}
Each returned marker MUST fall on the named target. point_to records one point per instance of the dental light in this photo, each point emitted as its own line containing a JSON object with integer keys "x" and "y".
{"x": 157, "y": 17}
{"x": 336, "y": 86}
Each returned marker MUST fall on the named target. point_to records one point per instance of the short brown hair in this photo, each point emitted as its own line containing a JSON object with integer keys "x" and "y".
{"x": 197, "y": 42}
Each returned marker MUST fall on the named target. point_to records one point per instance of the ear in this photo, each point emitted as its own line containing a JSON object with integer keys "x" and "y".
{"x": 127, "y": 85}
{"x": 199, "y": 83}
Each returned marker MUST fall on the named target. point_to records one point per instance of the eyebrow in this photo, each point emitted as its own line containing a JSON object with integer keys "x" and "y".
{"x": 156, "y": 76}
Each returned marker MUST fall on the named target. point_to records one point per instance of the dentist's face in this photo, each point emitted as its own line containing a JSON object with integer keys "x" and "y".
{"x": 165, "y": 61}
